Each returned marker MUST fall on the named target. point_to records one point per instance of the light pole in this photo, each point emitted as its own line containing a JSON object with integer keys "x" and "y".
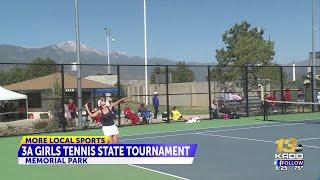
{"x": 78, "y": 62}
{"x": 145, "y": 51}
{"x": 108, "y": 33}
{"x": 313, "y": 49}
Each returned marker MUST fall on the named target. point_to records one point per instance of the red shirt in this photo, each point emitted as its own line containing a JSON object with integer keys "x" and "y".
{"x": 71, "y": 107}
{"x": 287, "y": 96}
{"x": 270, "y": 98}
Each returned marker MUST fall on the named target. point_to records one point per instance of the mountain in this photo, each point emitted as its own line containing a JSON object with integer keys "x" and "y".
{"x": 61, "y": 53}
{"x": 65, "y": 53}
{"x": 301, "y": 72}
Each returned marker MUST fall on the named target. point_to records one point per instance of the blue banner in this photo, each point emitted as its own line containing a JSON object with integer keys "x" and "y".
{"x": 103, "y": 150}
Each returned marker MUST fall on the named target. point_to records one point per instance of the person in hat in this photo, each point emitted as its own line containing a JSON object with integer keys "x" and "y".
{"x": 155, "y": 101}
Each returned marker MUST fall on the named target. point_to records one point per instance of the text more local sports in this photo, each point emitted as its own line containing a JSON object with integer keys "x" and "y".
{"x": 65, "y": 140}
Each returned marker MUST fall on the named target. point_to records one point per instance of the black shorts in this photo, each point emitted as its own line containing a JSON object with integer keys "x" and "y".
{"x": 73, "y": 115}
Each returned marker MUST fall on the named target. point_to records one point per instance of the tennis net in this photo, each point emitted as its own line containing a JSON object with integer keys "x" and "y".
{"x": 290, "y": 111}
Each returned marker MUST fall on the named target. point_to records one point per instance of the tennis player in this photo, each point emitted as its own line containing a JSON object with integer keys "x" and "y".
{"x": 107, "y": 116}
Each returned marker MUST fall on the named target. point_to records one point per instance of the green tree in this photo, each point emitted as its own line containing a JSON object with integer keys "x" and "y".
{"x": 37, "y": 68}
{"x": 13, "y": 75}
{"x": 245, "y": 46}
{"x": 182, "y": 73}
{"x": 41, "y": 67}
{"x": 159, "y": 70}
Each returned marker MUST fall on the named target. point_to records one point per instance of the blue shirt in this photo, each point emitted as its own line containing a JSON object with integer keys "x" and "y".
{"x": 155, "y": 101}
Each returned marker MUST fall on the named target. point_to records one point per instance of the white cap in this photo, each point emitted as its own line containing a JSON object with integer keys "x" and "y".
{"x": 156, "y": 92}
{"x": 108, "y": 99}
{"x": 99, "y": 103}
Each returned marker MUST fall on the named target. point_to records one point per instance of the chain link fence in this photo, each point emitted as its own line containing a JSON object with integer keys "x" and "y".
{"x": 191, "y": 90}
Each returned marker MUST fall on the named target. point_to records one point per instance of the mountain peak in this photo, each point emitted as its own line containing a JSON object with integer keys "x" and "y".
{"x": 70, "y": 46}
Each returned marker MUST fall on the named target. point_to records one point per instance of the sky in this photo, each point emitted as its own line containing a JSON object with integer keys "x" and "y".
{"x": 187, "y": 30}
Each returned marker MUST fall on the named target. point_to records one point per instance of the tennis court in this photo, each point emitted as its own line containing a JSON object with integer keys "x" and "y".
{"x": 227, "y": 149}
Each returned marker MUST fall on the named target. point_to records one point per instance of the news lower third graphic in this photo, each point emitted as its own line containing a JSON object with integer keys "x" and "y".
{"x": 288, "y": 155}
{"x": 44, "y": 150}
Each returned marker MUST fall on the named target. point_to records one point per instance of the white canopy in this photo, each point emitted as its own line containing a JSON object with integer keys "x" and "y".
{"x": 7, "y": 95}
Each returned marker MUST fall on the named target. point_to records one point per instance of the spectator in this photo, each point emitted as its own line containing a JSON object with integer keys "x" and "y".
{"x": 71, "y": 106}
{"x": 155, "y": 101}
{"x": 175, "y": 114}
{"x": 22, "y": 111}
{"x": 144, "y": 113}
{"x": 287, "y": 97}
{"x": 261, "y": 92}
{"x": 225, "y": 111}
{"x": 142, "y": 108}
{"x": 272, "y": 97}
{"x": 236, "y": 97}
{"x": 300, "y": 98}
{"x": 1, "y": 107}
{"x": 214, "y": 109}
{"x": 226, "y": 96}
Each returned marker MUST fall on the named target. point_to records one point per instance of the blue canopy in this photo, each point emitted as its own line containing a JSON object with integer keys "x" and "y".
{"x": 109, "y": 90}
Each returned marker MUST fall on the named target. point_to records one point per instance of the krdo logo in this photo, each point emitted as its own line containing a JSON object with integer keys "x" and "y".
{"x": 286, "y": 145}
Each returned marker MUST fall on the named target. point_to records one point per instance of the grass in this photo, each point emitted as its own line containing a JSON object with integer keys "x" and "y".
{"x": 295, "y": 117}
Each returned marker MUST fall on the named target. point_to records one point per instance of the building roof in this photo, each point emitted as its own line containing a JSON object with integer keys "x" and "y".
{"x": 47, "y": 82}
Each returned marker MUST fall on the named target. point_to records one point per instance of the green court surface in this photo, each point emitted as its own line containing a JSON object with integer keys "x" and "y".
{"x": 10, "y": 170}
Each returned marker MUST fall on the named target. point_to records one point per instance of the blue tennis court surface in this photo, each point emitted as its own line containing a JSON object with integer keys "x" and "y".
{"x": 239, "y": 152}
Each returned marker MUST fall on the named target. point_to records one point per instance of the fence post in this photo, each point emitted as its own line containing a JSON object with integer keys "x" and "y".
{"x": 62, "y": 96}
{"x": 209, "y": 86}
{"x": 312, "y": 88}
{"x": 247, "y": 91}
{"x": 167, "y": 92}
{"x": 281, "y": 88}
{"x": 62, "y": 88}
{"x": 118, "y": 86}
{"x": 94, "y": 98}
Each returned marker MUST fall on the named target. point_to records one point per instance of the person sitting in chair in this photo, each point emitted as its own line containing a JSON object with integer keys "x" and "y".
{"x": 144, "y": 113}
{"x": 215, "y": 109}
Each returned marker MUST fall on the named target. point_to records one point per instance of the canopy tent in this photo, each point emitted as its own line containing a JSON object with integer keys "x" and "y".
{"x": 108, "y": 90}
{"x": 7, "y": 95}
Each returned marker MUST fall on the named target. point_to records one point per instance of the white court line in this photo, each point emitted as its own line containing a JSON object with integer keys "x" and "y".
{"x": 151, "y": 137}
{"x": 251, "y": 139}
{"x": 178, "y": 177}
{"x": 234, "y": 137}
{"x": 190, "y": 133}
{"x": 307, "y": 139}
{"x": 254, "y": 127}
{"x": 316, "y": 147}
{"x": 159, "y": 132}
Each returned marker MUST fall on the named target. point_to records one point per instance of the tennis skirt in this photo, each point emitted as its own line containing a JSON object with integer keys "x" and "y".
{"x": 110, "y": 130}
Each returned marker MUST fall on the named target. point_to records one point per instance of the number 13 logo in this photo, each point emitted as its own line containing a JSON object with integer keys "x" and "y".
{"x": 290, "y": 145}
